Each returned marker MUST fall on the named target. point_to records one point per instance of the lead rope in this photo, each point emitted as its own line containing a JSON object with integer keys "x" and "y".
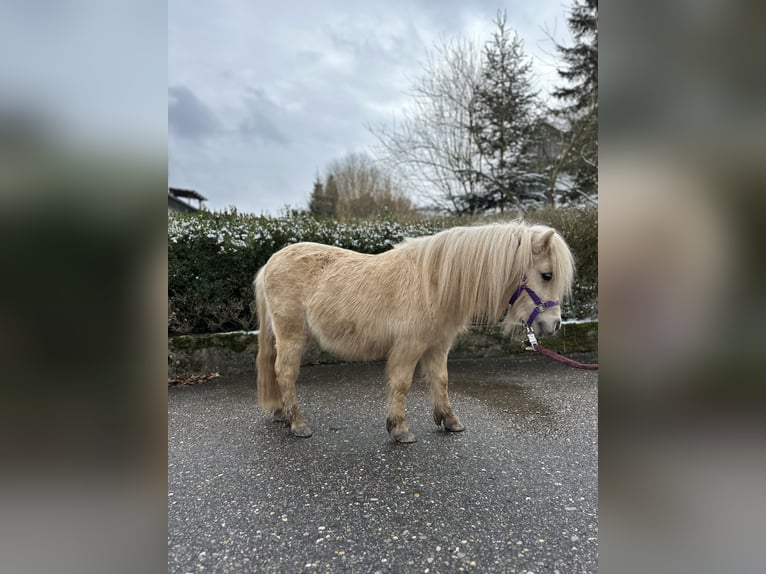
{"x": 535, "y": 346}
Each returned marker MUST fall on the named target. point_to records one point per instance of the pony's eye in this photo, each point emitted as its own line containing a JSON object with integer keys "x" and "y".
{"x": 546, "y": 276}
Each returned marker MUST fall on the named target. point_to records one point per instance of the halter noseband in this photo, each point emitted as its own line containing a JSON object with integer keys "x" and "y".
{"x": 540, "y": 305}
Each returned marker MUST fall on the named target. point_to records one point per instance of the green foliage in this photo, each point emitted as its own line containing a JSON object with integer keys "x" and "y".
{"x": 213, "y": 256}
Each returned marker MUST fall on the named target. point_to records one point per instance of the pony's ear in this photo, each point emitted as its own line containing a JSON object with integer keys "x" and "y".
{"x": 541, "y": 242}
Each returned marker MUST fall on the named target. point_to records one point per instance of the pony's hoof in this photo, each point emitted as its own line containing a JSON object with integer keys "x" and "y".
{"x": 406, "y": 438}
{"x": 454, "y": 427}
{"x": 303, "y": 432}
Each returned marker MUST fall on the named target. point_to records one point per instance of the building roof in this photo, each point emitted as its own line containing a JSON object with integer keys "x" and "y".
{"x": 177, "y": 205}
{"x": 178, "y": 192}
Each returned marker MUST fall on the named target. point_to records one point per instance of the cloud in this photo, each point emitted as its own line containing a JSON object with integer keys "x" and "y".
{"x": 260, "y": 123}
{"x": 188, "y": 116}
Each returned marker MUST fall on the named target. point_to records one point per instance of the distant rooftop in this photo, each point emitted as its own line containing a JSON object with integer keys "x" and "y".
{"x": 190, "y": 193}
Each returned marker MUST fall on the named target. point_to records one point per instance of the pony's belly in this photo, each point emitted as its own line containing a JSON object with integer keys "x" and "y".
{"x": 351, "y": 343}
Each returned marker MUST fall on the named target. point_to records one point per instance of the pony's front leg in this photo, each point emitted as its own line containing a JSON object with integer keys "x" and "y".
{"x": 434, "y": 365}
{"x": 400, "y": 368}
{"x": 289, "y": 353}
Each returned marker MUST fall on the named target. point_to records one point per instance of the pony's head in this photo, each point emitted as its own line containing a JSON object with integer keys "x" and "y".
{"x": 549, "y": 271}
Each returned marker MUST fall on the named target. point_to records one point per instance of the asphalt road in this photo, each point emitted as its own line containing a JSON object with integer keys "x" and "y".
{"x": 516, "y": 492}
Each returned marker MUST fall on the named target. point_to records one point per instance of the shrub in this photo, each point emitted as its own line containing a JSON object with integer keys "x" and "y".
{"x": 213, "y": 257}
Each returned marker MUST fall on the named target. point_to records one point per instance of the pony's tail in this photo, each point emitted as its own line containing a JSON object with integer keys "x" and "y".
{"x": 269, "y": 396}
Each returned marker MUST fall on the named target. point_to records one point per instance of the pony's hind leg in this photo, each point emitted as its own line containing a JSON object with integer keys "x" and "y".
{"x": 434, "y": 365}
{"x": 399, "y": 368}
{"x": 288, "y": 363}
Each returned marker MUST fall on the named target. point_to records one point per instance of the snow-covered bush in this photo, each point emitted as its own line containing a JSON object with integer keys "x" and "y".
{"x": 213, "y": 257}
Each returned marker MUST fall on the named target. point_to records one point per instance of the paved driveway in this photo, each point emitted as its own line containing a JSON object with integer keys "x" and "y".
{"x": 515, "y": 492}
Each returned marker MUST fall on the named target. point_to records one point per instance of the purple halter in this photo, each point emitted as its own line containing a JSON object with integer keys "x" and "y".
{"x": 540, "y": 305}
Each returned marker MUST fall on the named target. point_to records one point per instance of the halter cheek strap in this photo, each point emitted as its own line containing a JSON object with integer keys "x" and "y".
{"x": 540, "y": 305}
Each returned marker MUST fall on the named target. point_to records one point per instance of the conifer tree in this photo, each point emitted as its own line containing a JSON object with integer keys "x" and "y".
{"x": 506, "y": 106}
{"x": 324, "y": 199}
{"x": 579, "y": 97}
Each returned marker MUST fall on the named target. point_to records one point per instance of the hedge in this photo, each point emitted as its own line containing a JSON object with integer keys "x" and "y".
{"x": 213, "y": 257}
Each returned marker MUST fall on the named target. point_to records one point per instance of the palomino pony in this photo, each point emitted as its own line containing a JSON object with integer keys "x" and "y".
{"x": 406, "y": 305}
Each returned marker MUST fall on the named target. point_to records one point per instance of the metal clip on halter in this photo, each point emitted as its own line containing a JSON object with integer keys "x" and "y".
{"x": 532, "y": 339}
{"x": 541, "y": 307}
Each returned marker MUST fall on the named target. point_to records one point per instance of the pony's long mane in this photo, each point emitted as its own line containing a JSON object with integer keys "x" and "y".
{"x": 469, "y": 271}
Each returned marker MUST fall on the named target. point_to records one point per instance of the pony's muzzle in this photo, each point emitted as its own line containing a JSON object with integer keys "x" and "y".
{"x": 545, "y": 327}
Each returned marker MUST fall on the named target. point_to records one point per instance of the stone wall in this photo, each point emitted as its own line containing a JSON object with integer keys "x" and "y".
{"x": 234, "y": 353}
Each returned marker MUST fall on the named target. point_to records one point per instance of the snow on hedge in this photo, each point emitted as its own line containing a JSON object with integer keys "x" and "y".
{"x": 233, "y": 231}
{"x": 213, "y": 256}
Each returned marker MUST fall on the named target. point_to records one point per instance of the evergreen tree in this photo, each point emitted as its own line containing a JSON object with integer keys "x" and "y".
{"x": 579, "y": 97}
{"x": 316, "y": 198}
{"x": 331, "y": 196}
{"x": 505, "y": 106}
{"x": 324, "y": 199}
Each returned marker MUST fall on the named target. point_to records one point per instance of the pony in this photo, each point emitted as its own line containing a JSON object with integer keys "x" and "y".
{"x": 406, "y": 305}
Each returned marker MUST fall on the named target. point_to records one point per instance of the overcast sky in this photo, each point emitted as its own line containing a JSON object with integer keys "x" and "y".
{"x": 263, "y": 95}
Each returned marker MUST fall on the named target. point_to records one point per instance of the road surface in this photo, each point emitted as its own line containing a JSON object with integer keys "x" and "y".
{"x": 516, "y": 492}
